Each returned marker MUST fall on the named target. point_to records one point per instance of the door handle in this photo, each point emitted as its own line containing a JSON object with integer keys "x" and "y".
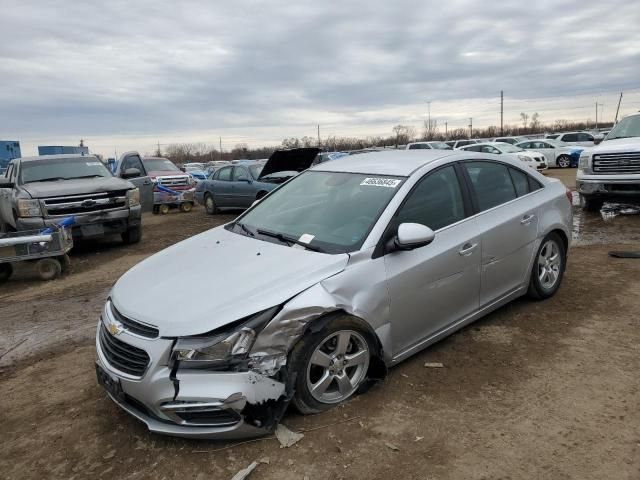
{"x": 526, "y": 220}
{"x": 467, "y": 249}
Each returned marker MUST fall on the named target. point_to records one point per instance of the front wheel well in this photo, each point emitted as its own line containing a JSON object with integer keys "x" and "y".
{"x": 563, "y": 237}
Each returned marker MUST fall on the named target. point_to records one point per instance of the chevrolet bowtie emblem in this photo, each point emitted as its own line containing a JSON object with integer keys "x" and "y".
{"x": 115, "y": 328}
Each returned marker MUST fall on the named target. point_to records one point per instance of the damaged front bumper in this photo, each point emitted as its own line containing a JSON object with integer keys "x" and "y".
{"x": 185, "y": 402}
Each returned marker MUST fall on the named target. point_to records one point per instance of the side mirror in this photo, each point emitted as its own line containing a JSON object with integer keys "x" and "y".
{"x": 412, "y": 235}
{"x": 5, "y": 182}
{"x": 130, "y": 173}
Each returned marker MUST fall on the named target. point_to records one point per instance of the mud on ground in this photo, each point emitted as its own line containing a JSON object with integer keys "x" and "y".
{"x": 535, "y": 390}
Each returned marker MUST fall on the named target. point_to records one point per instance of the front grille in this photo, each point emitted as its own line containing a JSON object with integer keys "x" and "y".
{"x": 177, "y": 181}
{"x": 616, "y": 163}
{"x": 86, "y": 203}
{"x": 218, "y": 418}
{"x": 142, "y": 329}
{"x": 126, "y": 358}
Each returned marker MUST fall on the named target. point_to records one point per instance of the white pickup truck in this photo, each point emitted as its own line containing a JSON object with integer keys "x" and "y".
{"x": 611, "y": 170}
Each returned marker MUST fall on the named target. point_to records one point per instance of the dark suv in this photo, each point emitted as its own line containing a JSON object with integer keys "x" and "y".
{"x": 39, "y": 191}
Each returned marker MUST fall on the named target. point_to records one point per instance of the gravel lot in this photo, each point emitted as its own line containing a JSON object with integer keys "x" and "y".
{"x": 535, "y": 390}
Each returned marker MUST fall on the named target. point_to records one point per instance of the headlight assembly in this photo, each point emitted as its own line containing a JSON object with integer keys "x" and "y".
{"x": 222, "y": 347}
{"x": 583, "y": 162}
{"x": 29, "y": 208}
{"x": 133, "y": 197}
{"x": 524, "y": 158}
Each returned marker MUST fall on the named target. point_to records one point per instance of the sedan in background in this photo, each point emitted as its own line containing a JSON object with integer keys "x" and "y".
{"x": 460, "y": 143}
{"x": 197, "y": 175}
{"x": 533, "y": 160}
{"x": 238, "y": 185}
{"x": 511, "y": 140}
{"x": 584, "y": 139}
{"x": 557, "y": 154}
{"x": 312, "y": 294}
{"x": 434, "y": 145}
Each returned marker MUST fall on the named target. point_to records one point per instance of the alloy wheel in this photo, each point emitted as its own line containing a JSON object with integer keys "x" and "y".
{"x": 337, "y": 366}
{"x": 549, "y": 264}
{"x": 563, "y": 161}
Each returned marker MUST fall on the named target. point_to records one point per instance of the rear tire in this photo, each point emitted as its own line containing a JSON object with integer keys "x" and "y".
{"x": 163, "y": 209}
{"x": 564, "y": 161}
{"x": 6, "y": 270}
{"x": 210, "y": 204}
{"x": 186, "y": 207}
{"x": 48, "y": 268}
{"x": 591, "y": 204}
{"x": 131, "y": 236}
{"x": 331, "y": 364}
{"x": 548, "y": 268}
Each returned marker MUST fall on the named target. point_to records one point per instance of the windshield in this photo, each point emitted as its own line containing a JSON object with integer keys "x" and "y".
{"x": 62, "y": 169}
{"x": 440, "y": 146}
{"x": 627, "y": 127}
{"x": 256, "y": 169}
{"x": 331, "y": 211}
{"x": 159, "y": 165}
{"x": 508, "y": 148}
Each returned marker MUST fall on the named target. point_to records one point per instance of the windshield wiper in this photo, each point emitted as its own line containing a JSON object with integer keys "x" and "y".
{"x": 245, "y": 229}
{"x": 287, "y": 239}
{"x": 85, "y": 176}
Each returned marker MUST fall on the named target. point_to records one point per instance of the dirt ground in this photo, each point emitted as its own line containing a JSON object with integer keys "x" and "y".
{"x": 535, "y": 390}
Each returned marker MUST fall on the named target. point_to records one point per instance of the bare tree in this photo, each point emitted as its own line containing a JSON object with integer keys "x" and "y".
{"x": 535, "y": 122}
{"x": 403, "y": 133}
{"x": 525, "y": 119}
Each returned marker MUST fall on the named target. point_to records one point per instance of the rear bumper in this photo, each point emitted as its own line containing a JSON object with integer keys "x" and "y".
{"x": 107, "y": 223}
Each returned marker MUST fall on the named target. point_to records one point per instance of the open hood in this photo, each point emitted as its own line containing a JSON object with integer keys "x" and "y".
{"x": 294, "y": 160}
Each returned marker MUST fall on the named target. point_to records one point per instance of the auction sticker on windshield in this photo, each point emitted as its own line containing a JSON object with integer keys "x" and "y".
{"x": 381, "y": 182}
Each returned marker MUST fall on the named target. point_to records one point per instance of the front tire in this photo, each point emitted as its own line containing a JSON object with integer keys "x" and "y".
{"x": 564, "y": 161}
{"x": 210, "y": 204}
{"x": 331, "y": 364}
{"x": 548, "y": 268}
{"x": 48, "y": 268}
{"x": 131, "y": 236}
{"x": 186, "y": 207}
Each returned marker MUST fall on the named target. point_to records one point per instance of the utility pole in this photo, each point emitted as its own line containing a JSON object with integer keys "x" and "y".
{"x": 318, "y": 135}
{"x": 602, "y": 105}
{"x": 470, "y": 127}
{"x": 429, "y": 119}
{"x": 446, "y": 131}
{"x": 220, "y": 139}
{"x": 618, "y": 109}
{"x": 501, "y": 112}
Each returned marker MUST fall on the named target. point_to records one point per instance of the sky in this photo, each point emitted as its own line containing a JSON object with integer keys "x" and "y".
{"x": 126, "y": 75}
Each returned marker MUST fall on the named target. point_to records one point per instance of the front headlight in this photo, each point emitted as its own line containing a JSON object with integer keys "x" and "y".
{"x": 29, "y": 208}
{"x": 524, "y": 158}
{"x": 133, "y": 197}
{"x": 222, "y": 347}
{"x": 584, "y": 163}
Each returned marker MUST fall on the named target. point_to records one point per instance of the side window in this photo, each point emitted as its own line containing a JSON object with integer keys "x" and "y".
{"x": 133, "y": 161}
{"x": 224, "y": 174}
{"x": 525, "y": 145}
{"x": 585, "y": 137}
{"x": 533, "y": 184}
{"x": 491, "y": 182}
{"x": 436, "y": 201}
{"x": 239, "y": 173}
{"x": 520, "y": 181}
{"x": 9, "y": 172}
{"x": 570, "y": 137}
{"x": 473, "y": 148}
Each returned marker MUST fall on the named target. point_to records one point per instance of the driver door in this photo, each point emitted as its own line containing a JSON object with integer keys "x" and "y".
{"x": 434, "y": 286}
{"x": 143, "y": 181}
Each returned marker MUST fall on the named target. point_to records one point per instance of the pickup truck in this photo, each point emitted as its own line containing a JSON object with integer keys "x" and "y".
{"x": 37, "y": 192}
{"x": 611, "y": 170}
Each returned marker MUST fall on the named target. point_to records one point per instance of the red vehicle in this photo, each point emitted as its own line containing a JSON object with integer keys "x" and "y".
{"x": 168, "y": 178}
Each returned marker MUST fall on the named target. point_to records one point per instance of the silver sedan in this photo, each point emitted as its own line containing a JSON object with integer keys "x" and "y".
{"x": 335, "y": 276}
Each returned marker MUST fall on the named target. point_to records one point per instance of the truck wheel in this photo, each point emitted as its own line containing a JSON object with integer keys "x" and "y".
{"x": 591, "y": 204}
{"x": 186, "y": 207}
{"x": 163, "y": 209}
{"x": 48, "y": 268}
{"x": 210, "y": 205}
{"x": 5, "y": 271}
{"x": 131, "y": 236}
{"x": 65, "y": 262}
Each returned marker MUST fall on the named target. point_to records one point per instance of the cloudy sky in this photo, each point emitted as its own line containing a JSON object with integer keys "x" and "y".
{"x": 127, "y": 74}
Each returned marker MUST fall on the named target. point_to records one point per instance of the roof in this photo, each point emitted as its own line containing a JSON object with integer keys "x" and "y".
{"x": 394, "y": 162}
{"x": 54, "y": 157}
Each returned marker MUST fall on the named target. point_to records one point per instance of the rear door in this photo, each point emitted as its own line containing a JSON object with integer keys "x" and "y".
{"x": 142, "y": 181}
{"x": 242, "y": 188}
{"x": 508, "y": 222}
{"x": 436, "y": 285}
{"x": 221, "y": 187}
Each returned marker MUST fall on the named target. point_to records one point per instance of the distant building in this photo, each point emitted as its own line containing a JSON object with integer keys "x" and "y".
{"x": 61, "y": 150}
{"x": 9, "y": 149}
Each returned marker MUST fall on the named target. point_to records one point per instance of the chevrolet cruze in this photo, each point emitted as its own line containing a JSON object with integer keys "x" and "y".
{"x": 312, "y": 293}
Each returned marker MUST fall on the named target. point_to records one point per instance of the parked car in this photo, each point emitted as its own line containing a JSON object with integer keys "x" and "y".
{"x": 38, "y": 192}
{"x": 428, "y": 146}
{"x": 345, "y": 270}
{"x": 557, "y": 154}
{"x": 328, "y": 156}
{"x": 239, "y": 185}
{"x": 159, "y": 171}
{"x": 193, "y": 166}
{"x": 611, "y": 170}
{"x": 584, "y": 139}
{"x": 460, "y": 143}
{"x": 197, "y": 175}
{"x": 511, "y": 140}
{"x": 533, "y": 160}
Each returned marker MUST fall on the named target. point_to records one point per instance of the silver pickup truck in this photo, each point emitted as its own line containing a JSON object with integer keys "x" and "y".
{"x": 611, "y": 170}
{"x": 38, "y": 191}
